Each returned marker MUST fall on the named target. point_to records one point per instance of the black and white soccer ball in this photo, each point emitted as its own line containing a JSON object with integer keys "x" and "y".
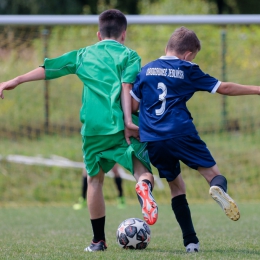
{"x": 133, "y": 233}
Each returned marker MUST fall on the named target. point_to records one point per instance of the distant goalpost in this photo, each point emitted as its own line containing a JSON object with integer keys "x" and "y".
{"x": 132, "y": 19}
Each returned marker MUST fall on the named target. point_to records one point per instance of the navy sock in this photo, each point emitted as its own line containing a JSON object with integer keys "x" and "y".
{"x": 98, "y": 227}
{"x": 219, "y": 181}
{"x": 181, "y": 210}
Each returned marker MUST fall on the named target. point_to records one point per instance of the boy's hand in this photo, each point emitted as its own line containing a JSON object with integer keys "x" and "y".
{"x": 36, "y": 74}
{"x": 8, "y": 85}
{"x": 131, "y": 130}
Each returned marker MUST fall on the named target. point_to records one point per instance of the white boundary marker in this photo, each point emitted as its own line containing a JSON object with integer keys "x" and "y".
{"x": 59, "y": 161}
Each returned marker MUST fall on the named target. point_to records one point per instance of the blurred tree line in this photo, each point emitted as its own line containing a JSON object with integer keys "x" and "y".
{"x": 126, "y": 6}
{"x": 68, "y": 6}
{"x": 237, "y": 6}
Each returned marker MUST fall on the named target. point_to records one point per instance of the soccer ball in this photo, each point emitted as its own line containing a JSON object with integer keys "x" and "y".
{"x": 133, "y": 233}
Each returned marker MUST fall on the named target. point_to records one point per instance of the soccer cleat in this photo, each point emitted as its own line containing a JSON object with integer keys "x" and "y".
{"x": 193, "y": 248}
{"x": 148, "y": 204}
{"x": 99, "y": 246}
{"x": 80, "y": 205}
{"x": 121, "y": 203}
{"x": 226, "y": 202}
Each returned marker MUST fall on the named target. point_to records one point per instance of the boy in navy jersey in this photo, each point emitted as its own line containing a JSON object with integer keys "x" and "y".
{"x": 162, "y": 89}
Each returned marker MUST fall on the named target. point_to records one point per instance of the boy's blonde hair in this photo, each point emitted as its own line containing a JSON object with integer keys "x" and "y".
{"x": 183, "y": 40}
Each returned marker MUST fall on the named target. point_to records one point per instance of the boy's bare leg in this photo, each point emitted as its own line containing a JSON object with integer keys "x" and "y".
{"x": 209, "y": 173}
{"x": 95, "y": 198}
{"x": 121, "y": 204}
{"x": 96, "y": 207}
{"x": 218, "y": 189}
{"x": 141, "y": 173}
{"x": 177, "y": 186}
{"x": 115, "y": 170}
{"x": 144, "y": 186}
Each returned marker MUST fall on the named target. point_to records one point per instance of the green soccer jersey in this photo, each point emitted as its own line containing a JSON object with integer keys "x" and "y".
{"x": 102, "y": 68}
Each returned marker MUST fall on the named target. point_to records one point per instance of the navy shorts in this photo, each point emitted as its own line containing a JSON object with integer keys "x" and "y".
{"x": 166, "y": 155}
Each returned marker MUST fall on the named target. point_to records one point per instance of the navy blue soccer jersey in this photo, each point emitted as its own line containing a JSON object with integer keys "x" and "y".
{"x": 163, "y": 87}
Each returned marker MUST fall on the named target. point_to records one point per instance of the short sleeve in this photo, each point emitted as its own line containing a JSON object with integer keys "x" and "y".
{"x": 132, "y": 68}
{"x": 61, "y": 66}
{"x": 202, "y": 81}
{"x": 136, "y": 92}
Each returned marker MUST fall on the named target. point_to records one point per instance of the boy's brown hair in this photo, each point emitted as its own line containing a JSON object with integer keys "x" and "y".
{"x": 183, "y": 40}
{"x": 112, "y": 23}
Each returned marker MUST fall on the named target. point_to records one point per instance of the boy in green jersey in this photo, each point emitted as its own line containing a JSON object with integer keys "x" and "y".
{"x": 107, "y": 70}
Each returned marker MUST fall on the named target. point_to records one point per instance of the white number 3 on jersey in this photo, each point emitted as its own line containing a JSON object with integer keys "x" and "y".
{"x": 162, "y": 96}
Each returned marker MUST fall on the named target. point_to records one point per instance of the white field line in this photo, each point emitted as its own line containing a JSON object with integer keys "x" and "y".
{"x": 59, "y": 161}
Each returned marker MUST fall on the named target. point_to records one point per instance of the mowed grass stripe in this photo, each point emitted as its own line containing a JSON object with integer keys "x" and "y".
{"x": 62, "y": 233}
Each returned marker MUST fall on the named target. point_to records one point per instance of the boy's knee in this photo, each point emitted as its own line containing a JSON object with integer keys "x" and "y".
{"x": 145, "y": 176}
{"x": 177, "y": 187}
{"x": 96, "y": 179}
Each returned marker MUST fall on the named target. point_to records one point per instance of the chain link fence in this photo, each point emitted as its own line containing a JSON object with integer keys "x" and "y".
{"x": 229, "y": 125}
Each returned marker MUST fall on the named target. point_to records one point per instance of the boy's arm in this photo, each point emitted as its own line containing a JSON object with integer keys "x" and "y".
{"x": 36, "y": 74}
{"x": 126, "y": 101}
{"x": 234, "y": 89}
{"x": 135, "y": 105}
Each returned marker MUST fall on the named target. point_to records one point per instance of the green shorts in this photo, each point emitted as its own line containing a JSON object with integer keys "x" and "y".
{"x": 106, "y": 150}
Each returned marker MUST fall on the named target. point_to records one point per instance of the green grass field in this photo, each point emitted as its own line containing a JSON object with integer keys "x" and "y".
{"x": 56, "y": 232}
{"x": 36, "y": 217}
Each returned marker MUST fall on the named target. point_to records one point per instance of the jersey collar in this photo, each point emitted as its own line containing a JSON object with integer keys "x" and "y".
{"x": 110, "y": 40}
{"x": 169, "y": 58}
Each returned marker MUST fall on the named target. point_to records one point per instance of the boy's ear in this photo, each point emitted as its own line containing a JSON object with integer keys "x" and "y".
{"x": 187, "y": 55}
{"x": 99, "y": 36}
{"x": 123, "y": 36}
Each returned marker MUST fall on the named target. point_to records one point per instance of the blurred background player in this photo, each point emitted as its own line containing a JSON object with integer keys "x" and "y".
{"x": 118, "y": 182}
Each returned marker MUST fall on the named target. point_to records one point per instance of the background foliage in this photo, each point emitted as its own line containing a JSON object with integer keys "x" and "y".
{"x": 235, "y": 148}
{"x": 127, "y": 6}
